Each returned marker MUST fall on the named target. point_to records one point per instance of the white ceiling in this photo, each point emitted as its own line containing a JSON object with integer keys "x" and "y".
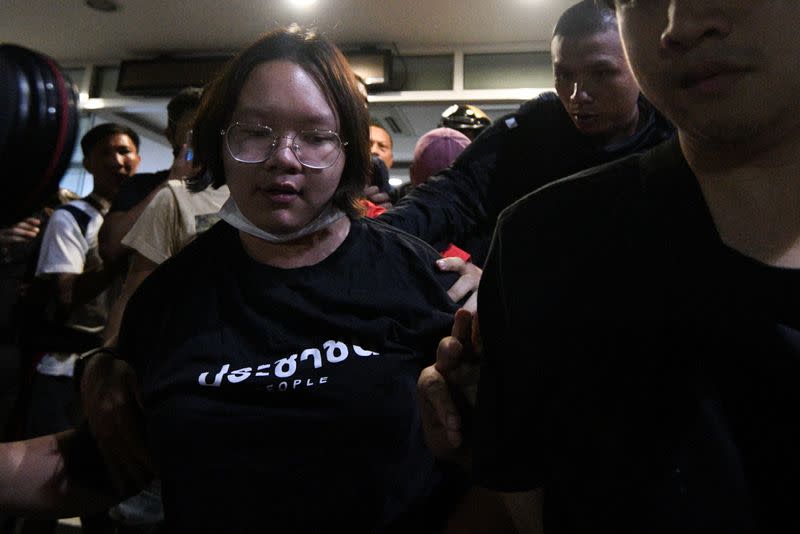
{"x": 69, "y": 30}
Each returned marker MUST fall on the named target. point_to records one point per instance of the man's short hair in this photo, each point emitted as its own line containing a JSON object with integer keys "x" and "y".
{"x": 374, "y": 124}
{"x": 100, "y": 133}
{"x": 587, "y": 17}
{"x": 187, "y": 99}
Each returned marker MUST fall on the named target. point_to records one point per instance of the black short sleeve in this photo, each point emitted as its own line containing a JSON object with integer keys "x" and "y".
{"x": 136, "y": 189}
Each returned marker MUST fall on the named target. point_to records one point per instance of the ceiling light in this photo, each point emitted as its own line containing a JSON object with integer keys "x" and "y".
{"x": 302, "y": 3}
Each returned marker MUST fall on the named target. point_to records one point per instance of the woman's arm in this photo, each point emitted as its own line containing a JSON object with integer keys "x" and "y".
{"x": 140, "y": 269}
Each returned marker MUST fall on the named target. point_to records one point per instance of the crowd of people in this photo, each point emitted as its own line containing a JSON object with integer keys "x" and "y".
{"x": 265, "y": 338}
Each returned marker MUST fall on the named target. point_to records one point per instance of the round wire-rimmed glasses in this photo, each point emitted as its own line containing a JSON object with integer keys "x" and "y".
{"x": 255, "y": 143}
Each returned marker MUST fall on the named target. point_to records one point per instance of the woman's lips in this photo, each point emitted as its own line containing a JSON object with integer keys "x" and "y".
{"x": 281, "y": 194}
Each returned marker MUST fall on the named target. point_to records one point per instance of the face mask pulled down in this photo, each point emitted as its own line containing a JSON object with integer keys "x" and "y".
{"x": 231, "y": 214}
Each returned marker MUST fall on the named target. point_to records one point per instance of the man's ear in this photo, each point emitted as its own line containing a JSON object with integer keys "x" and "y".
{"x": 87, "y": 165}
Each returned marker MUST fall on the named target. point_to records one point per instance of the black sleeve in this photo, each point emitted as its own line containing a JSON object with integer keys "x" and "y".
{"x": 453, "y": 205}
{"x": 136, "y": 189}
{"x": 508, "y": 449}
{"x": 143, "y": 322}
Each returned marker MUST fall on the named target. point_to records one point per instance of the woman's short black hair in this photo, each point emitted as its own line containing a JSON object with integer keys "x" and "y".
{"x": 587, "y": 17}
{"x": 325, "y": 63}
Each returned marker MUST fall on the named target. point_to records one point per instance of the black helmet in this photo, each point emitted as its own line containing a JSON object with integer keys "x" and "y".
{"x": 467, "y": 119}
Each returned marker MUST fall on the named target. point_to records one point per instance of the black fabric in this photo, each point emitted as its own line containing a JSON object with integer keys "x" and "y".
{"x": 639, "y": 370}
{"x": 265, "y": 406}
{"x": 519, "y": 153}
{"x": 136, "y": 189}
{"x": 82, "y": 218}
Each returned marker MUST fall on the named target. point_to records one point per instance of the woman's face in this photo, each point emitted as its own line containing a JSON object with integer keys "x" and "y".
{"x": 280, "y": 195}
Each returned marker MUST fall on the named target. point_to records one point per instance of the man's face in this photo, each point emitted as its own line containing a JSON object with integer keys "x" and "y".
{"x": 724, "y": 71}
{"x": 111, "y": 162}
{"x": 380, "y": 144}
{"x": 595, "y": 84}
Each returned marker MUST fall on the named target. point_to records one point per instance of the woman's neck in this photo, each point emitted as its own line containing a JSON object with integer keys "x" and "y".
{"x": 753, "y": 194}
{"x": 302, "y": 252}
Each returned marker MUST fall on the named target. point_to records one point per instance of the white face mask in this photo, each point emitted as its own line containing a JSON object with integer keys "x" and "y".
{"x": 230, "y": 213}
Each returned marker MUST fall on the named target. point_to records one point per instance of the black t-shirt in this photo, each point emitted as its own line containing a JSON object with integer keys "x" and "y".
{"x": 518, "y": 154}
{"x": 285, "y": 400}
{"x": 136, "y": 189}
{"x": 640, "y": 371}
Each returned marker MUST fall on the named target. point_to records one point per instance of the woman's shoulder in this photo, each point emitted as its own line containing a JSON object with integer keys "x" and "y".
{"x": 402, "y": 257}
{"x": 200, "y": 259}
{"x": 390, "y": 239}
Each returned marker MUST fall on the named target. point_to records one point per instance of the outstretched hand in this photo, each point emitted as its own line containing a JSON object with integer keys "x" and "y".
{"x": 377, "y": 197}
{"x": 448, "y": 388}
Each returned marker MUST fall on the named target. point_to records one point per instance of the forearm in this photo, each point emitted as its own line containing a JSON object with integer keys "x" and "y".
{"x": 35, "y": 479}
{"x": 141, "y": 268}
{"x": 444, "y": 210}
{"x": 116, "y": 226}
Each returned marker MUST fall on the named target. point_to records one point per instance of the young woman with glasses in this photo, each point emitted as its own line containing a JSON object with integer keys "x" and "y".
{"x": 277, "y": 355}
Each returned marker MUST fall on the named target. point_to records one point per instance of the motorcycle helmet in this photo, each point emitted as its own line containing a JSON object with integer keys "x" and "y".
{"x": 465, "y": 118}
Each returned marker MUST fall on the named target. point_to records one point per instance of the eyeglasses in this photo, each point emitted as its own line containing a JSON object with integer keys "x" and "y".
{"x": 254, "y": 143}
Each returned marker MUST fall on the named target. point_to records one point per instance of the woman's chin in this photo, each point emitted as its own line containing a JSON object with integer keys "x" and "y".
{"x": 283, "y": 225}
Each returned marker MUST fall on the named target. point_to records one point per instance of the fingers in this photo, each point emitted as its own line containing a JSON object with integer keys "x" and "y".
{"x": 30, "y": 224}
{"x": 448, "y": 354}
{"x": 471, "y": 304}
{"x": 468, "y": 282}
{"x": 451, "y": 350}
{"x": 182, "y": 153}
{"x": 441, "y": 421}
{"x": 182, "y": 167}
{"x": 452, "y": 264}
{"x": 462, "y": 326}
{"x": 465, "y": 285}
{"x": 21, "y": 232}
{"x": 378, "y": 197}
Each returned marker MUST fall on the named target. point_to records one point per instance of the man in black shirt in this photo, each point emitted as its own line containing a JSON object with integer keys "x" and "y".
{"x": 596, "y": 116}
{"x": 640, "y": 320}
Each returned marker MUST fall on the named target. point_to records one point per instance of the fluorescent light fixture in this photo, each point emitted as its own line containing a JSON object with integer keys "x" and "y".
{"x": 303, "y": 4}
{"x": 93, "y": 103}
{"x": 395, "y": 182}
